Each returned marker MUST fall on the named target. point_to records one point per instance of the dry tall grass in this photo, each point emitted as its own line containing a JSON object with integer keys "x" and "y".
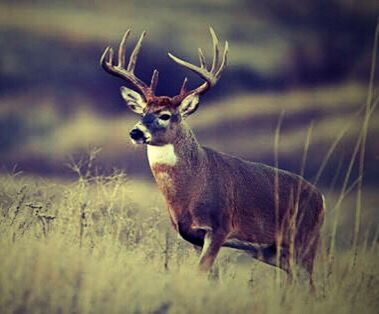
{"x": 83, "y": 247}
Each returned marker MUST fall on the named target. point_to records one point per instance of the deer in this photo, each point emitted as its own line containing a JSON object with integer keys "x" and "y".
{"x": 214, "y": 199}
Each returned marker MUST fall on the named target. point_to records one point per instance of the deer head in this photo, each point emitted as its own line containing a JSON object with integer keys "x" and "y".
{"x": 161, "y": 116}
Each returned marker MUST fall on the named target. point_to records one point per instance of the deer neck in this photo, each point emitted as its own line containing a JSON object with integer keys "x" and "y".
{"x": 183, "y": 153}
{"x": 175, "y": 165}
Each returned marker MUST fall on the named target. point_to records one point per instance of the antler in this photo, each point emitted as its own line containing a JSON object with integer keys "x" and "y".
{"x": 127, "y": 73}
{"x": 210, "y": 76}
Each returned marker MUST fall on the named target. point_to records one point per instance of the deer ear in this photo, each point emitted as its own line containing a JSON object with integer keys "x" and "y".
{"x": 189, "y": 105}
{"x": 134, "y": 100}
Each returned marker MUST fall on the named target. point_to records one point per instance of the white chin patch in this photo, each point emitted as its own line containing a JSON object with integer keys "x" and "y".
{"x": 145, "y": 140}
{"x": 161, "y": 155}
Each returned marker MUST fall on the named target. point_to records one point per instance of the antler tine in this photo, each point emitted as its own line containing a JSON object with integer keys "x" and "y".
{"x": 108, "y": 53}
{"x": 202, "y": 59}
{"x": 154, "y": 80}
{"x": 210, "y": 76}
{"x": 224, "y": 61}
{"x": 202, "y": 71}
{"x": 215, "y": 49}
{"x": 119, "y": 70}
{"x": 134, "y": 55}
{"x": 183, "y": 88}
{"x": 122, "y": 48}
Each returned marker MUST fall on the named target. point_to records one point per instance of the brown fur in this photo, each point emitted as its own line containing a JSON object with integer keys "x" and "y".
{"x": 215, "y": 199}
{"x": 235, "y": 199}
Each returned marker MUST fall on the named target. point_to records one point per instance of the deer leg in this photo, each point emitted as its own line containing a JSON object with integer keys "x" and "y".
{"x": 212, "y": 244}
{"x": 269, "y": 255}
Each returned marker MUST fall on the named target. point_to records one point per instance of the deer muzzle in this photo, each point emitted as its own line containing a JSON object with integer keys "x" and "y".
{"x": 140, "y": 134}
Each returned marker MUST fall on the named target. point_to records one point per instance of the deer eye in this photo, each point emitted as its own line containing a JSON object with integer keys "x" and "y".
{"x": 165, "y": 117}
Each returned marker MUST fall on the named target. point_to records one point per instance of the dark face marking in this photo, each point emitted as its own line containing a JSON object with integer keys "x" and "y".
{"x": 153, "y": 122}
{"x": 158, "y": 126}
{"x": 149, "y": 119}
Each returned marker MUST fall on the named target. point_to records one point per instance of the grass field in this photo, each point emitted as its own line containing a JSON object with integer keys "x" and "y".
{"x": 88, "y": 247}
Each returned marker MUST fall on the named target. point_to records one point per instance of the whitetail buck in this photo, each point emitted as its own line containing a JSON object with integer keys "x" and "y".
{"x": 215, "y": 199}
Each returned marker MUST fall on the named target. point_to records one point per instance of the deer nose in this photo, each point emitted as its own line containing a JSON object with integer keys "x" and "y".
{"x": 136, "y": 134}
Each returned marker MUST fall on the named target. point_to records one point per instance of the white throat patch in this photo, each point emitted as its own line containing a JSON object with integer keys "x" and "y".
{"x": 161, "y": 155}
